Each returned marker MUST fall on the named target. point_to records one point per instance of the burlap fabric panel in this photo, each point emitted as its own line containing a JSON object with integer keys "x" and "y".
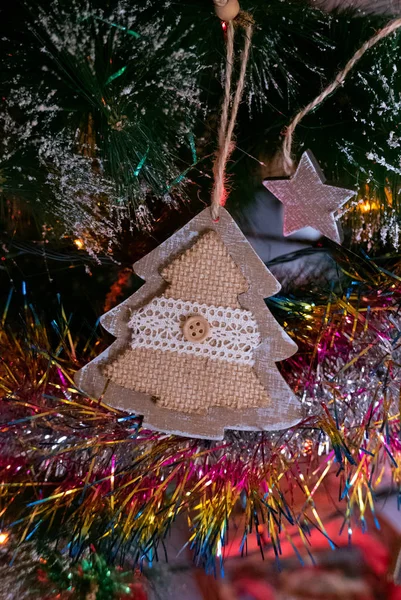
{"x": 205, "y": 273}
{"x": 189, "y": 384}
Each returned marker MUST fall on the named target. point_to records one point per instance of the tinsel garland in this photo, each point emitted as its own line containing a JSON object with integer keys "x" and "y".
{"x": 72, "y": 469}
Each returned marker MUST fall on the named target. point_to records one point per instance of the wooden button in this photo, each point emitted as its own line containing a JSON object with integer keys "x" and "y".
{"x": 196, "y": 329}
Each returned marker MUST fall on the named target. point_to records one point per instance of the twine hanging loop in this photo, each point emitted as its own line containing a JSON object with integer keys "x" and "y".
{"x": 225, "y": 137}
{"x": 288, "y": 163}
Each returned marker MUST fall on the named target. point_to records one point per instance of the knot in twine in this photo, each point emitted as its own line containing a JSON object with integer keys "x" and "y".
{"x": 226, "y": 143}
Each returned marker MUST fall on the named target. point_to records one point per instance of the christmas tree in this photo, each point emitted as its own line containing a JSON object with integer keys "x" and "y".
{"x": 110, "y": 140}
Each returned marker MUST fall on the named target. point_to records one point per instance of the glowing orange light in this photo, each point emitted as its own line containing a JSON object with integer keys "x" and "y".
{"x": 79, "y": 244}
{"x": 368, "y": 205}
{"x": 3, "y": 538}
{"x": 308, "y": 446}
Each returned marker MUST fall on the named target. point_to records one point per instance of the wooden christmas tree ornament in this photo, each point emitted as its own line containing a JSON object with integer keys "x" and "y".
{"x": 196, "y": 346}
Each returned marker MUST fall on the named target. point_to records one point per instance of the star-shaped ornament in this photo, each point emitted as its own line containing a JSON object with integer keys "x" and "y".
{"x": 308, "y": 201}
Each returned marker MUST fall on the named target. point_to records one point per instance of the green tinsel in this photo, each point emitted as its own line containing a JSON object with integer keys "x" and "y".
{"x": 92, "y": 575}
{"x": 36, "y": 571}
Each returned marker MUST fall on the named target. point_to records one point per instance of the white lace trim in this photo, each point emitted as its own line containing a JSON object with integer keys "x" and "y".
{"x": 233, "y": 335}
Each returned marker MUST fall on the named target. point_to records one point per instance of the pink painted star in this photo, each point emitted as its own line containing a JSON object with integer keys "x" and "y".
{"x": 308, "y": 201}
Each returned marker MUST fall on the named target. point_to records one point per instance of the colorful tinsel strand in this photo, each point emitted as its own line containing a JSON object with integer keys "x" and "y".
{"x": 75, "y": 470}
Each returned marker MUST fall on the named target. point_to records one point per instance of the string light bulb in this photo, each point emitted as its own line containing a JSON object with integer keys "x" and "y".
{"x": 79, "y": 244}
